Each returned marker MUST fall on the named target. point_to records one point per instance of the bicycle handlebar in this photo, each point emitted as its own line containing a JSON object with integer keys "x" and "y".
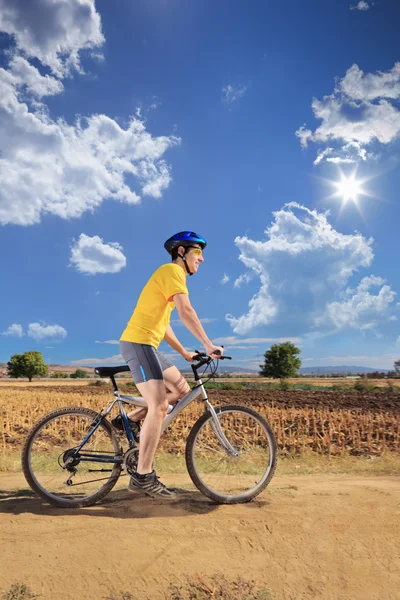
{"x": 200, "y": 355}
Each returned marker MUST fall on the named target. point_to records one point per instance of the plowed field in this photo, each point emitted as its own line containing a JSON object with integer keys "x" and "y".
{"x": 375, "y": 401}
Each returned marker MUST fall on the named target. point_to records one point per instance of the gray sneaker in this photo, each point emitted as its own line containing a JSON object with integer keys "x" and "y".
{"x": 150, "y": 485}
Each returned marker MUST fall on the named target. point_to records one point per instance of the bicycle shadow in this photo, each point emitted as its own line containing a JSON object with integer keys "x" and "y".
{"x": 119, "y": 504}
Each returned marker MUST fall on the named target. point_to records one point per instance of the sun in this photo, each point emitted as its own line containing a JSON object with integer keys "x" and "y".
{"x": 349, "y": 188}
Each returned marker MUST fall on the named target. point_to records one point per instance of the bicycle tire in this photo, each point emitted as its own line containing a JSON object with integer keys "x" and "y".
{"x": 48, "y": 496}
{"x": 196, "y": 476}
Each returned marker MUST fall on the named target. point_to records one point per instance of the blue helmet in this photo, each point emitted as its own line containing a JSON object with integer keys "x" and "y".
{"x": 184, "y": 238}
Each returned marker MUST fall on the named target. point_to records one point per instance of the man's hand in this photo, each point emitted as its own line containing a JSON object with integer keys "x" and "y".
{"x": 187, "y": 356}
{"x": 211, "y": 351}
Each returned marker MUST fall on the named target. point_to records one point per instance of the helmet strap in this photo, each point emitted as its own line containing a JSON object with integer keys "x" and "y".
{"x": 185, "y": 263}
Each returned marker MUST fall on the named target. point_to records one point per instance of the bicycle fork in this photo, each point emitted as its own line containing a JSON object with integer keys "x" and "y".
{"x": 217, "y": 429}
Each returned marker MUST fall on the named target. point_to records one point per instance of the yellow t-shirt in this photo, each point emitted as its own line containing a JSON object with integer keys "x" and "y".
{"x": 152, "y": 313}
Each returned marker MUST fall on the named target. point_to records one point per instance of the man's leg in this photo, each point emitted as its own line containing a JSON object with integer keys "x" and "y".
{"x": 145, "y": 479}
{"x": 176, "y": 383}
{"x": 177, "y": 388}
{"x": 153, "y": 392}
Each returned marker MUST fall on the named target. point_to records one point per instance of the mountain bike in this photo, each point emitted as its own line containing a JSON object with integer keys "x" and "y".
{"x": 73, "y": 456}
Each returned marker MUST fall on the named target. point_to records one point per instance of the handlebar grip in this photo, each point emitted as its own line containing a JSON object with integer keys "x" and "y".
{"x": 198, "y": 355}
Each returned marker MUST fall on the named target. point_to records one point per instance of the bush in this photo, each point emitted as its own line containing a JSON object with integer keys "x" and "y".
{"x": 284, "y": 385}
{"x": 79, "y": 374}
{"x": 364, "y": 386}
{"x": 18, "y": 591}
{"x": 340, "y": 387}
{"x": 120, "y": 596}
{"x": 393, "y": 389}
{"x": 59, "y": 375}
{"x": 218, "y": 586}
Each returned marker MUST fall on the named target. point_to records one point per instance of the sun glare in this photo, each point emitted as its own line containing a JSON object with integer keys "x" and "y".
{"x": 349, "y": 188}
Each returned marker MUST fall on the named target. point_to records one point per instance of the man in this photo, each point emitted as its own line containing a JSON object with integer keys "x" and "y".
{"x": 152, "y": 372}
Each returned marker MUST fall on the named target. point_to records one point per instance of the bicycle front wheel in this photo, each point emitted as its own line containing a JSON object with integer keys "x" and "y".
{"x": 233, "y": 460}
{"x": 56, "y": 472}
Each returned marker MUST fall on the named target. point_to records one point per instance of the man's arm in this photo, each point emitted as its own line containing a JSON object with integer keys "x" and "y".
{"x": 190, "y": 319}
{"x": 173, "y": 341}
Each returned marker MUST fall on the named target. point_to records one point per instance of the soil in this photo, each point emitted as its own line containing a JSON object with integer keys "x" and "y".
{"x": 378, "y": 401}
{"x": 325, "y": 537}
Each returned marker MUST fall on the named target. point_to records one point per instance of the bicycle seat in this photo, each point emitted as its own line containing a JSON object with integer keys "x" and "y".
{"x": 109, "y": 371}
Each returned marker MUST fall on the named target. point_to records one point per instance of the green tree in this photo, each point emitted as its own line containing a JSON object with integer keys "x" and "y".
{"x": 281, "y": 361}
{"x": 79, "y": 374}
{"x": 29, "y": 364}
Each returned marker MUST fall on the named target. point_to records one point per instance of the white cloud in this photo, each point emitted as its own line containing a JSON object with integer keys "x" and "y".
{"x": 108, "y": 342}
{"x": 43, "y": 332}
{"x": 91, "y": 256}
{"x": 243, "y": 278}
{"x": 225, "y": 279}
{"x": 48, "y": 166}
{"x": 23, "y": 74}
{"x": 360, "y": 309}
{"x": 361, "y": 110}
{"x": 362, "y": 5}
{"x": 304, "y": 266}
{"x": 232, "y": 93}
{"x": 54, "y": 31}
{"x": 235, "y": 341}
{"x": 116, "y": 359}
{"x": 15, "y": 330}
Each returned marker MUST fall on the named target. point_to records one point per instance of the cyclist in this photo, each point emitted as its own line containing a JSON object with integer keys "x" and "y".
{"x": 159, "y": 382}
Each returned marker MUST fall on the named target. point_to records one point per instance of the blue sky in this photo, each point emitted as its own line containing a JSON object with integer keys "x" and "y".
{"x": 122, "y": 123}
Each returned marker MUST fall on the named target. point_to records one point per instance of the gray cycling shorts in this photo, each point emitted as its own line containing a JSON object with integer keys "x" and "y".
{"x": 145, "y": 362}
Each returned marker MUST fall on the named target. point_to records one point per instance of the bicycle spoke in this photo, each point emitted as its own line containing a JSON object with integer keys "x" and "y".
{"x": 228, "y": 475}
{"x": 54, "y": 465}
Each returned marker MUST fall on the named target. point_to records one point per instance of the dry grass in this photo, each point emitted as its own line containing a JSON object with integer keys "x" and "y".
{"x": 18, "y": 591}
{"x": 298, "y": 430}
{"x": 198, "y": 587}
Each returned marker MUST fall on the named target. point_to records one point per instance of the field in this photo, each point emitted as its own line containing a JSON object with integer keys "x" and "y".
{"x": 326, "y": 528}
{"x": 330, "y": 423}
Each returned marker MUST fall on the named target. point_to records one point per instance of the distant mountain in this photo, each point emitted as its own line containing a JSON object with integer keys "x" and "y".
{"x": 90, "y": 370}
{"x": 337, "y": 370}
{"x": 224, "y": 369}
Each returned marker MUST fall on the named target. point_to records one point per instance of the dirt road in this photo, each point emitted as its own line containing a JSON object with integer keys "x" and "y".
{"x": 328, "y": 537}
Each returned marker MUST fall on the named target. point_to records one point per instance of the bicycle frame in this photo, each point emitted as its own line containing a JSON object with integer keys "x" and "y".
{"x": 138, "y": 401}
{"x": 170, "y": 416}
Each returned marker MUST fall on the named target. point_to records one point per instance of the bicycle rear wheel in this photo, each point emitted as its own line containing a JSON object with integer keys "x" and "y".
{"x": 56, "y": 473}
{"x": 236, "y": 469}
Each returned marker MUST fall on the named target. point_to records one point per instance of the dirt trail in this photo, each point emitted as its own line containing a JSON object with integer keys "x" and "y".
{"x": 328, "y": 537}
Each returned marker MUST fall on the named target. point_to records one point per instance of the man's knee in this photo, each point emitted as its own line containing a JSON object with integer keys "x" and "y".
{"x": 184, "y": 390}
{"x": 178, "y": 392}
{"x": 159, "y": 407}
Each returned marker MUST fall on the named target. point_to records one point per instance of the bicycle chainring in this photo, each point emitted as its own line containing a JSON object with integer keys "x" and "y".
{"x": 130, "y": 460}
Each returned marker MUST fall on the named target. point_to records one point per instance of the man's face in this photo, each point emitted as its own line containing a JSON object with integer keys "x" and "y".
{"x": 194, "y": 256}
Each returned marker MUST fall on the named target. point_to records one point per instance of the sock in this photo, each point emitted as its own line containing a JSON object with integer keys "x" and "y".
{"x": 140, "y": 476}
